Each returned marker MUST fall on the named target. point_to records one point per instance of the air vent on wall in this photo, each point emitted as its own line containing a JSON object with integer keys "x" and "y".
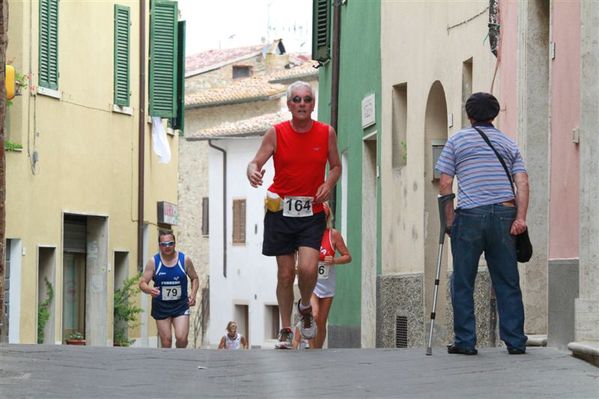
{"x": 401, "y": 332}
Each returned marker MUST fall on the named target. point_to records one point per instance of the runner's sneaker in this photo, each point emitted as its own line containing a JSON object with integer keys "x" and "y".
{"x": 285, "y": 339}
{"x": 306, "y": 324}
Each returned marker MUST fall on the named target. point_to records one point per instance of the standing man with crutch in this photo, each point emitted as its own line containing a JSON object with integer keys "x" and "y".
{"x": 488, "y": 217}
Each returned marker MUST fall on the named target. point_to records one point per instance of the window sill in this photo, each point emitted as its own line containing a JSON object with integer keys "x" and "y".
{"x": 49, "y": 92}
{"x": 168, "y": 130}
{"x": 122, "y": 110}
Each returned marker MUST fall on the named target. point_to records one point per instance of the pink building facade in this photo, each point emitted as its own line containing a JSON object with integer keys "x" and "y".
{"x": 547, "y": 58}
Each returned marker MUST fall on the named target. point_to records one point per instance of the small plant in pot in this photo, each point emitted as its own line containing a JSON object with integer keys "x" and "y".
{"x": 75, "y": 338}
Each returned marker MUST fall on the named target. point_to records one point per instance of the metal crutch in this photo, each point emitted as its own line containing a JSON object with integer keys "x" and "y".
{"x": 442, "y": 200}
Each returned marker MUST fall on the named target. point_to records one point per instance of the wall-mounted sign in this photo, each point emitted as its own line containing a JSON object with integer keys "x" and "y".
{"x": 167, "y": 213}
{"x": 368, "y": 111}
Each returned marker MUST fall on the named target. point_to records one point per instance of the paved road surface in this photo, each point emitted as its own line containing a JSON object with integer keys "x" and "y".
{"x": 43, "y": 371}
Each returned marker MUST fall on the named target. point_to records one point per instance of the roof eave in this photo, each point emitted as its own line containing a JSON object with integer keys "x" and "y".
{"x": 243, "y": 135}
{"x": 236, "y": 101}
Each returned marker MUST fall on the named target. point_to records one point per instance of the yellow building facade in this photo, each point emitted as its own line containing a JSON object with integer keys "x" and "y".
{"x": 82, "y": 136}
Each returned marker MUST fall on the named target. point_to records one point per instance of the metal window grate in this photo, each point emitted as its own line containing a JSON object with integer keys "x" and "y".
{"x": 401, "y": 332}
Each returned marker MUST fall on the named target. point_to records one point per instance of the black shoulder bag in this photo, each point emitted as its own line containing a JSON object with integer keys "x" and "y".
{"x": 523, "y": 244}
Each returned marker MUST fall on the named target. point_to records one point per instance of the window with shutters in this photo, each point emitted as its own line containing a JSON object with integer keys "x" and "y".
{"x": 321, "y": 41}
{"x": 239, "y": 221}
{"x": 163, "y": 58}
{"x": 121, "y": 55}
{"x": 48, "y": 44}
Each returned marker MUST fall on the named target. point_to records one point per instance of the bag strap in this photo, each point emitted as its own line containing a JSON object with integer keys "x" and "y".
{"x": 484, "y": 136}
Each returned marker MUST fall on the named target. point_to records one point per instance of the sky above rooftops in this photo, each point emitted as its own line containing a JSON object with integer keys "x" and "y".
{"x": 222, "y": 24}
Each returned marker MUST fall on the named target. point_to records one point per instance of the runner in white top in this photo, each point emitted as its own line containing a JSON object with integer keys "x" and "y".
{"x": 324, "y": 291}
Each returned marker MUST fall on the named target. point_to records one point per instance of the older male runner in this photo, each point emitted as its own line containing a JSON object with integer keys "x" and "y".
{"x": 295, "y": 221}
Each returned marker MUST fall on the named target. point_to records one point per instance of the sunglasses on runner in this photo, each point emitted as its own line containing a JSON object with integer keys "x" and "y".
{"x": 298, "y": 99}
{"x": 167, "y": 244}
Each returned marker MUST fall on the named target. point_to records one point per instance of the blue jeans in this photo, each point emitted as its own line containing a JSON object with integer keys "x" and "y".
{"x": 474, "y": 231}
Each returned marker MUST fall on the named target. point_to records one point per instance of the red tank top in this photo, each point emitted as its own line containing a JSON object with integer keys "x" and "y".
{"x": 326, "y": 246}
{"x": 300, "y": 160}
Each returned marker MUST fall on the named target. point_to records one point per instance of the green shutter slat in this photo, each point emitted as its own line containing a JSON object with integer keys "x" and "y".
{"x": 179, "y": 121}
{"x": 43, "y": 44}
{"x": 48, "y": 44}
{"x": 163, "y": 59}
{"x": 321, "y": 43}
{"x": 121, "y": 55}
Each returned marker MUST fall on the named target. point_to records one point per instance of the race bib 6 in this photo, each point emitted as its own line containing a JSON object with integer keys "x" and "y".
{"x": 323, "y": 271}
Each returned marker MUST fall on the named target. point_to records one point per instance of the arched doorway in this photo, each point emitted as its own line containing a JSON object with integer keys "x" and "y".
{"x": 435, "y": 135}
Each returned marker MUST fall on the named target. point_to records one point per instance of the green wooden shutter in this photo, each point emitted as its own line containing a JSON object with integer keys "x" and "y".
{"x": 48, "y": 44}
{"x": 179, "y": 121}
{"x": 121, "y": 55}
{"x": 163, "y": 59}
{"x": 321, "y": 41}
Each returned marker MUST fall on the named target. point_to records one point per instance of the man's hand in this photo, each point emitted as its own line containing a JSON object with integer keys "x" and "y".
{"x": 255, "y": 176}
{"x": 322, "y": 194}
{"x": 518, "y": 227}
{"x": 191, "y": 300}
{"x": 154, "y": 292}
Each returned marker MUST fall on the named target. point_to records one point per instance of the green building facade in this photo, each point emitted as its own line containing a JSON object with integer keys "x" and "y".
{"x": 352, "y": 320}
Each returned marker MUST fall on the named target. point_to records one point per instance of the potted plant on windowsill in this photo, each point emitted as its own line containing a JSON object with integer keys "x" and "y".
{"x": 76, "y": 338}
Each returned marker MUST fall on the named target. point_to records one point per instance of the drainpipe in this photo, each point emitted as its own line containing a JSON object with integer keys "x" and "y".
{"x": 335, "y": 78}
{"x": 494, "y": 43}
{"x": 141, "y": 134}
{"x": 224, "y": 205}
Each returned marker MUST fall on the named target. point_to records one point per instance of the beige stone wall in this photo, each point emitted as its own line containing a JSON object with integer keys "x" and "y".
{"x": 87, "y": 155}
{"x": 222, "y": 76}
{"x": 426, "y": 48}
{"x": 436, "y": 54}
{"x": 193, "y": 186}
{"x": 205, "y": 118}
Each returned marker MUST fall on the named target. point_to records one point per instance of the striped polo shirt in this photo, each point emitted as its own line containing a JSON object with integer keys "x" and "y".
{"x": 481, "y": 178}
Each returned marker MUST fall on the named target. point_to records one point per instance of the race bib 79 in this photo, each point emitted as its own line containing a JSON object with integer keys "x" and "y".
{"x": 171, "y": 293}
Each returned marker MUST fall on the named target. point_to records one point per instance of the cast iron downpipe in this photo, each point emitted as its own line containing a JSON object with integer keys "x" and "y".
{"x": 335, "y": 79}
{"x": 141, "y": 134}
{"x": 224, "y": 205}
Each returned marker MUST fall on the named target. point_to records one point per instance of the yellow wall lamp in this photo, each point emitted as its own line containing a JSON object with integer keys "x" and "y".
{"x": 11, "y": 84}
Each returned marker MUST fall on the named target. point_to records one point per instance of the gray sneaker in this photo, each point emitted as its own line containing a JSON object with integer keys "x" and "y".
{"x": 285, "y": 339}
{"x": 307, "y": 324}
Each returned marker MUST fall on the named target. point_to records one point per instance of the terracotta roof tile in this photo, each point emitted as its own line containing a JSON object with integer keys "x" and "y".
{"x": 261, "y": 87}
{"x": 210, "y": 59}
{"x": 297, "y": 69}
{"x": 256, "y": 126}
{"x": 242, "y": 90}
